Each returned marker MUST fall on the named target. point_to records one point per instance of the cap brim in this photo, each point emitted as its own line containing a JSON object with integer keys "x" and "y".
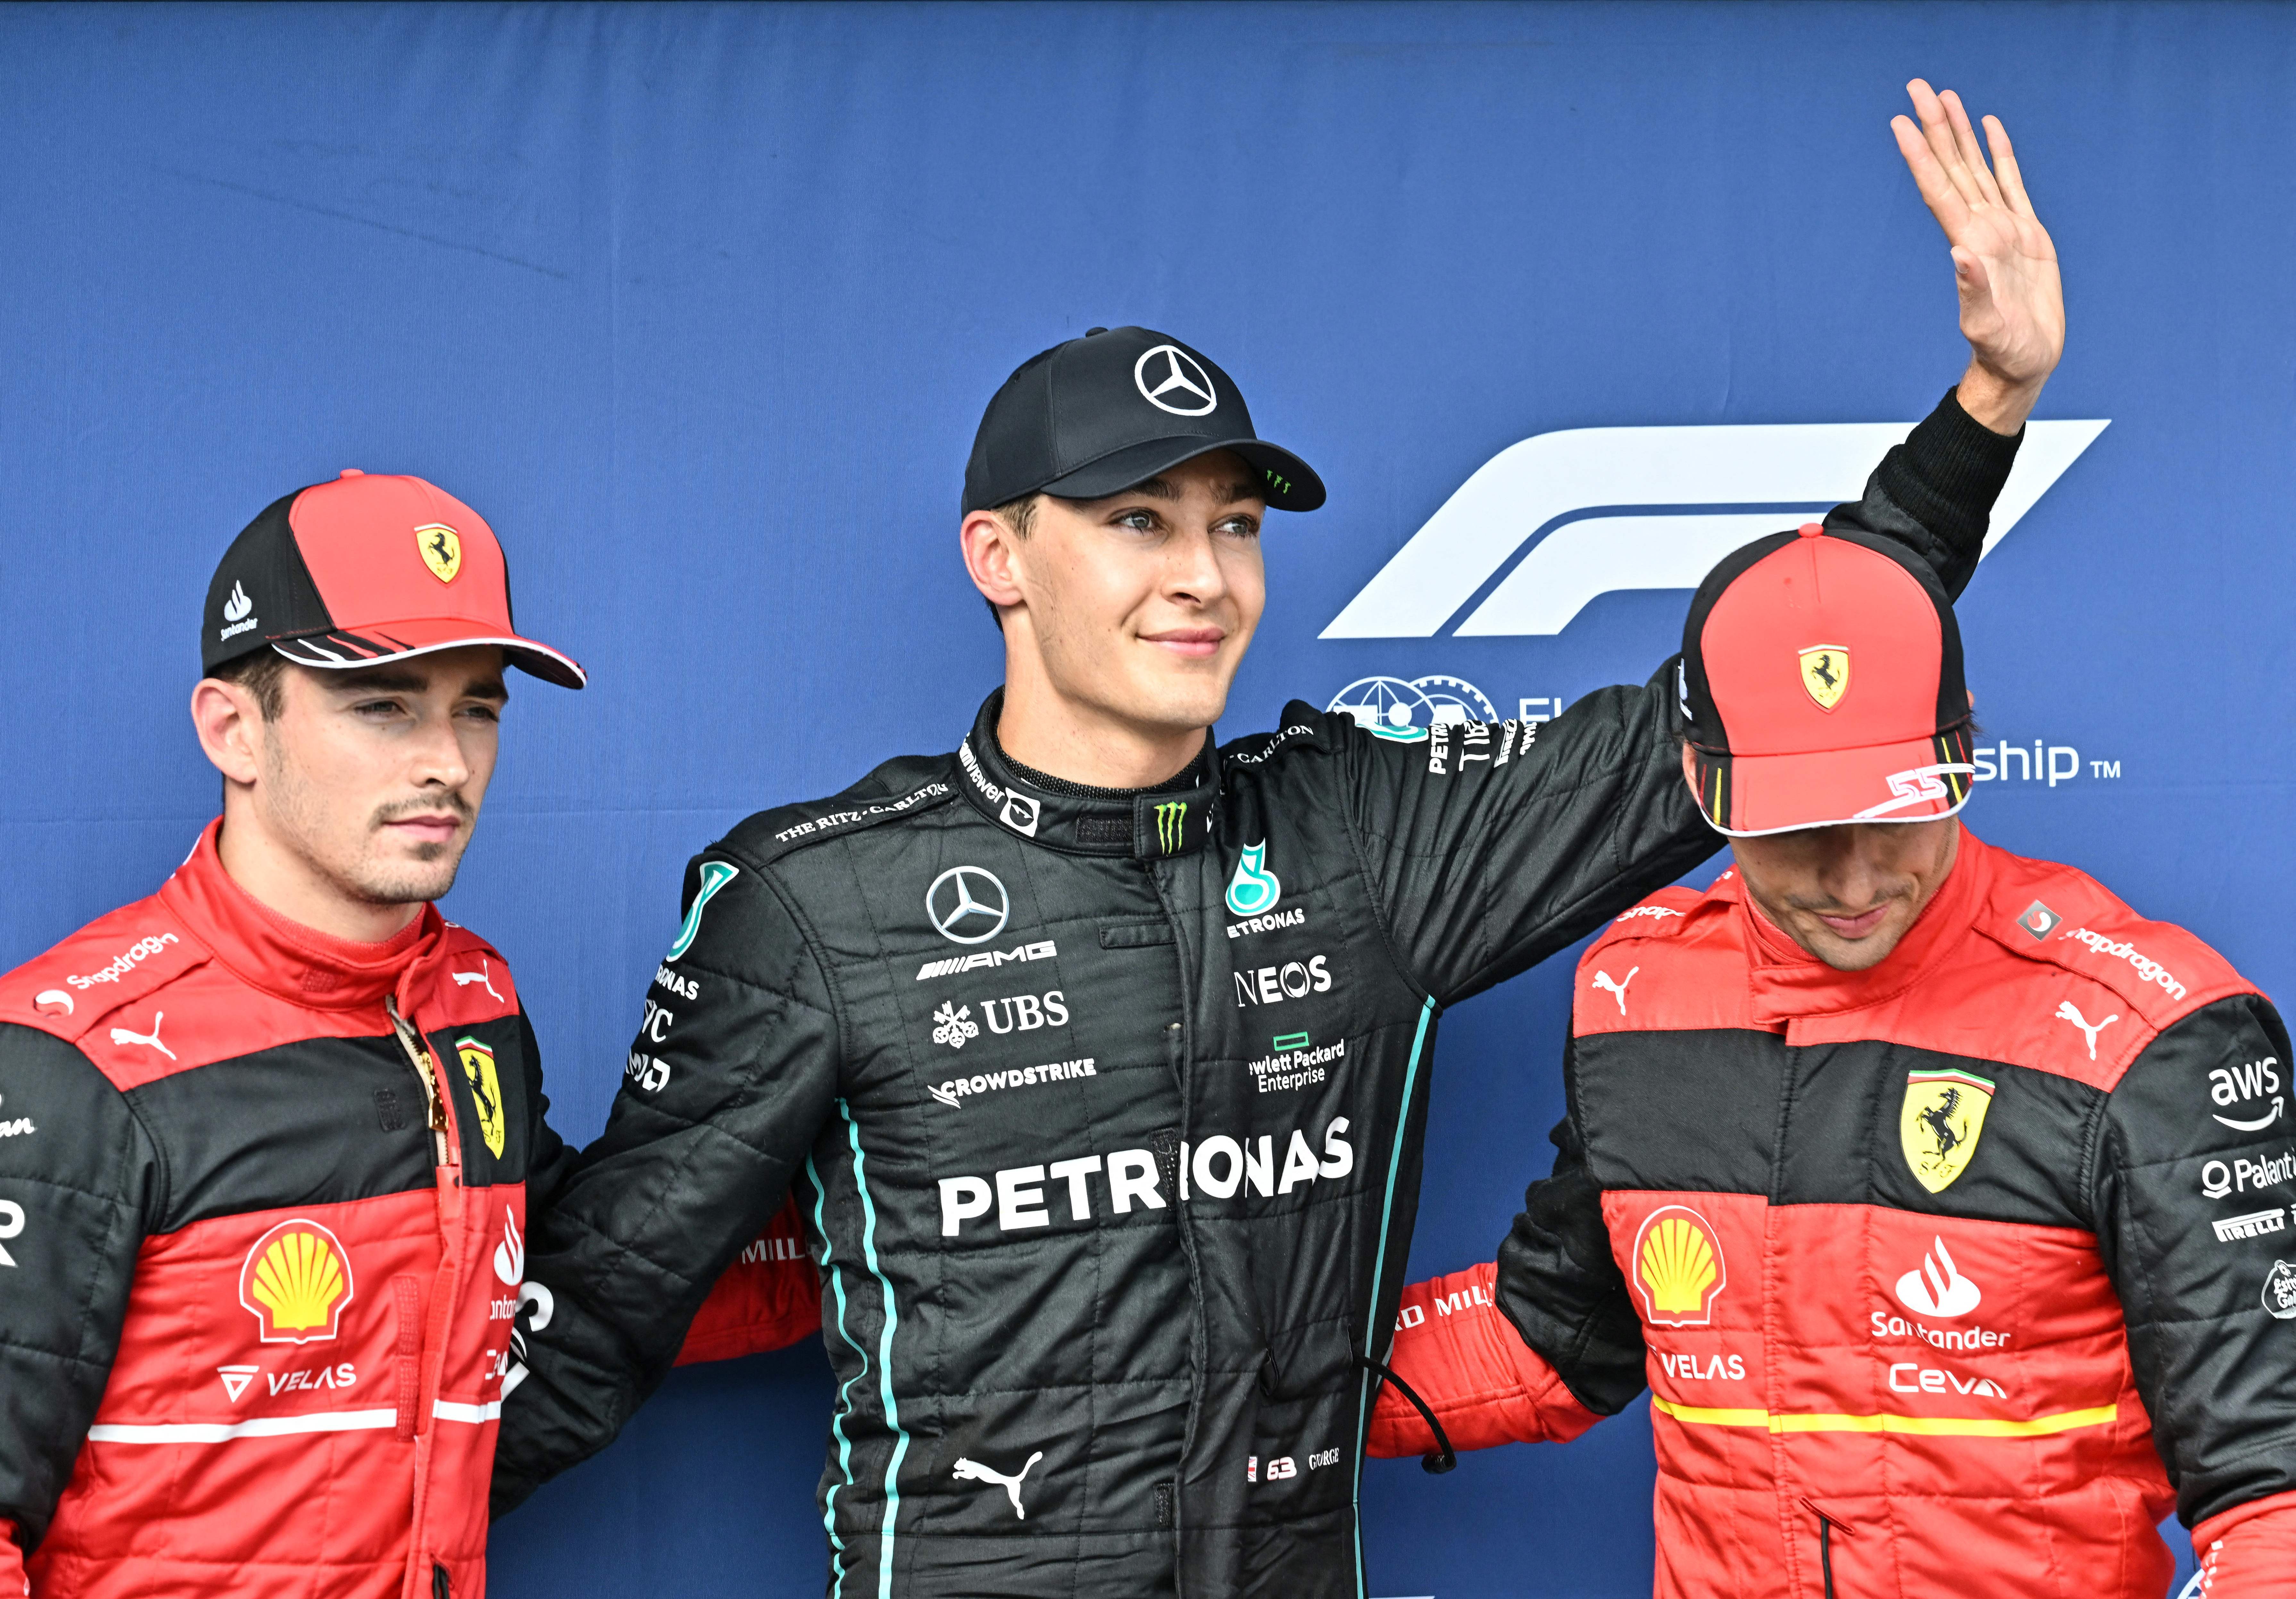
{"x": 397, "y": 641}
{"x": 1287, "y": 482}
{"x": 1919, "y": 780}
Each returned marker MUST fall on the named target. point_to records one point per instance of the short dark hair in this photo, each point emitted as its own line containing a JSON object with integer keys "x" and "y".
{"x": 260, "y": 673}
{"x": 1021, "y": 516}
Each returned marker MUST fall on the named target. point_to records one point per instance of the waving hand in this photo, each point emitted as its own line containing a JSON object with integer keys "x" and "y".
{"x": 2012, "y": 303}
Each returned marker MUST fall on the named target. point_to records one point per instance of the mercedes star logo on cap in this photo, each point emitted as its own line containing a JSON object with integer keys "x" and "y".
{"x": 1168, "y": 369}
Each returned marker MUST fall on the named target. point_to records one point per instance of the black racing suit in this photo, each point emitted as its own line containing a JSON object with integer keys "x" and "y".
{"x": 1105, "y": 1111}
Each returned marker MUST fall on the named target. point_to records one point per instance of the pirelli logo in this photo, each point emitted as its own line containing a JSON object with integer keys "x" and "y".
{"x": 2257, "y": 1224}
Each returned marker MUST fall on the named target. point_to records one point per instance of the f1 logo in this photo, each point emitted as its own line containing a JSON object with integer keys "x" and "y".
{"x": 1547, "y": 496}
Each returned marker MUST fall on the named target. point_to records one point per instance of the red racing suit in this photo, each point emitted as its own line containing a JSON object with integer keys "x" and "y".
{"x": 768, "y": 1299}
{"x": 1947, "y": 1277}
{"x": 263, "y": 1206}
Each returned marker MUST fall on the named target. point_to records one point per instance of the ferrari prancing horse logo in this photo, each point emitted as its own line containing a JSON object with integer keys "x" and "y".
{"x": 486, "y": 1091}
{"x": 442, "y": 550}
{"x": 1826, "y": 674}
{"x": 1939, "y": 1128}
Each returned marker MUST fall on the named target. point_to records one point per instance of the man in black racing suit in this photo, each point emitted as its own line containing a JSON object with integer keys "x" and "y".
{"x": 1102, "y": 1094}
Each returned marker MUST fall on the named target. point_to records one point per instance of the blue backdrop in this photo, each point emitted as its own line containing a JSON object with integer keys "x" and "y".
{"x": 700, "y": 307}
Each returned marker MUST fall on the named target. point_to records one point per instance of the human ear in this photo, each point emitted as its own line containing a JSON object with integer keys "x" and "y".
{"x": 228, "y": 721}
{"x": 992, "y": 558}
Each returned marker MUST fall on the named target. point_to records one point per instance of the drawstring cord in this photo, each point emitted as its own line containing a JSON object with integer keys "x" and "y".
{"x": 1444, "y": 1457}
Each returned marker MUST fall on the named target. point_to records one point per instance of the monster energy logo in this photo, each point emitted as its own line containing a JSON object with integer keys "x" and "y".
{"x": 1171, "y": 820}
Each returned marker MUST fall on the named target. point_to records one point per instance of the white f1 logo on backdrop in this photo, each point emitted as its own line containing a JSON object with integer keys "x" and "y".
{"x": 1564, "y": 479}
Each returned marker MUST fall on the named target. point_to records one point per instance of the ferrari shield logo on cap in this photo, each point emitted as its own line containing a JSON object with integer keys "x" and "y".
{"x": 1938, "y": 1127}
{"x": 1826, "y": 674}
{"x": 442, "y": 550}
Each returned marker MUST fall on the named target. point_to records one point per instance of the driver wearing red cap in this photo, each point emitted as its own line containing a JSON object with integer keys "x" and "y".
{"x": 1939, "y": 1198}
{"x": 267, "y": 1135}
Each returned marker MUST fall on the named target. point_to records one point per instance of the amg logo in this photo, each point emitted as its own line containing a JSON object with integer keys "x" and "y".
{"x": 982, "y": 959}
{"x": 2255, "y": 1225}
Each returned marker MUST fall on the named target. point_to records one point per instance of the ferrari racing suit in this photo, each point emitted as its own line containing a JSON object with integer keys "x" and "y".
{"x": 1949, "y": 1277}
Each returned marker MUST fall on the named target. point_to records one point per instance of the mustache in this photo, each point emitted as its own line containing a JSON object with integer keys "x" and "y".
{"x": 430, "y": 805}
{"x": 1831, "y": 908}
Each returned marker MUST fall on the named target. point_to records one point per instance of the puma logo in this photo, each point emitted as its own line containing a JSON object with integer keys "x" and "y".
{"x": 484, "y": 974}
{"x": 972, "y": 1471}
{"x": 2069, "y": 1012}
{"x": 1616, "y": 989}
{"x": 120, "y": 1035}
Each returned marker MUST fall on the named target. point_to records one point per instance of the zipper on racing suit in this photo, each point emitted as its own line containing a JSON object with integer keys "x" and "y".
{"x": 1176, "y": 1054}
{"x": 446, "y": 1153}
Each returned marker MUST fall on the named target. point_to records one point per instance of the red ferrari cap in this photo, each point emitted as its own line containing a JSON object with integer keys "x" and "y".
{"x": 363, "y": 569}
{"x": 1821, "y": 674}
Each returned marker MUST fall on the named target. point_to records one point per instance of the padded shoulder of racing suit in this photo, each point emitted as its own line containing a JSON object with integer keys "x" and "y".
{"x": 904, "y": 786}
{"x": 2153, "y": 973}
{"x": 2113, "y": 963}
{"x": 85, "y": 980}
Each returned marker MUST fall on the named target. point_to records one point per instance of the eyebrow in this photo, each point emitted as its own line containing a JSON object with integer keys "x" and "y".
{"x": 1160, "y": 488}
{"x": 386, "y": 681}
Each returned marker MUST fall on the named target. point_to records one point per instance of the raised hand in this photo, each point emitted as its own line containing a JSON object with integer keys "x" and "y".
{"x": 2012, "y": 303}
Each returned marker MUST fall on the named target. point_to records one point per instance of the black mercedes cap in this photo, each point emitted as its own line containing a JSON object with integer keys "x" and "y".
{"x": 1099, "y": 414}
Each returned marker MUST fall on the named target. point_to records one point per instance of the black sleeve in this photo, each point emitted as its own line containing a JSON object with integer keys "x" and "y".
{"x": 733, "y": 1069}
{"x": 1934, "y": 493}
{"x": 1559, "y": 1286}
{"x": 79, "y": 1179}
{"x": 2192, "y": 1221}
{"x": 547, "y": 1158}
{"x": 1492, "y": 848}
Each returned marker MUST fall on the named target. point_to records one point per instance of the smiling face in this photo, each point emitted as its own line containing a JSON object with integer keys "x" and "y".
{"x": 1849, "y": 894}
{"x": 1125, "y": 619}
{"x": 353, "y": 806}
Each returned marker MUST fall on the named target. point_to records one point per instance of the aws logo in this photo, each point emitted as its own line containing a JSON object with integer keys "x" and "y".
{"x": 296, "y": 1279}
{"x": 1678, "y": 1267}
{"x": 1548, "y": 525}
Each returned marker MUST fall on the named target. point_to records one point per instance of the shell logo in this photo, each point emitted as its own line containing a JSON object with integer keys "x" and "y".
{"x": 1678, "y": 1267}
{"x": 296, "y": 1281}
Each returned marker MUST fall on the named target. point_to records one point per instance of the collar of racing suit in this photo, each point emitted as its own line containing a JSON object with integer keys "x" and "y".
{"x": 1172, "y": 819}
{"x": 1788, "y": 982}
{"x": 282, "y": 958}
